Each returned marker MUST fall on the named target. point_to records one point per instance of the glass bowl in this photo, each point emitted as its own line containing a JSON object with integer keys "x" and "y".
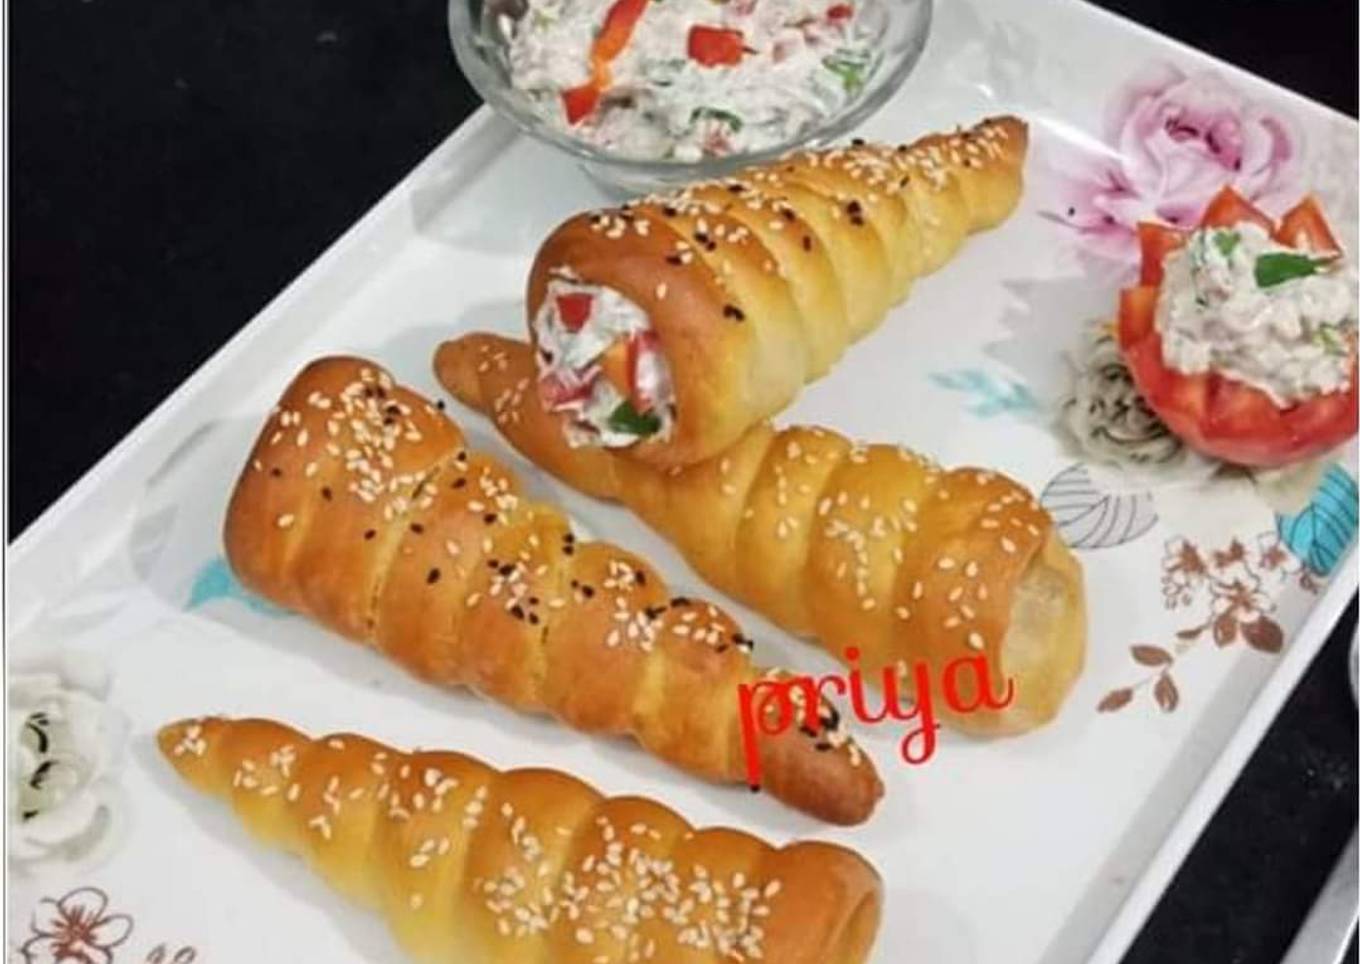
{"x": 480, "y": 46}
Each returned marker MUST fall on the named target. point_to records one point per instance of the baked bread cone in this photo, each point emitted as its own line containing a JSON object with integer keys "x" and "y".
{"x": 755, "y": 284}
{"x": 873, "y": 546}
{"x": 361, "y": 507}
{"x": 473, "y": 865}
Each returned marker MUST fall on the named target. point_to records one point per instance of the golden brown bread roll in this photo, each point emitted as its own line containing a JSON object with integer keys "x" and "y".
{"x": 473, "y": 865}
{"x": 870, "y": 546}
{"x": 361, "y": 507}
{"x": 735, "y": 293}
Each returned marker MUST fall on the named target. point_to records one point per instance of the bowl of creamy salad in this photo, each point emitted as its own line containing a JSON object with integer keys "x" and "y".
{"x": 650, "y": 93}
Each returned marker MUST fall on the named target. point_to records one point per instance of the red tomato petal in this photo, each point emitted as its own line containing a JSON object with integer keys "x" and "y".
{"x": 1237, "y": 411}
{"x": 1305, "y": 227}
{"x": 1228, "y": 208}
{"x": 1156, "y": 241}
{"x": 1137, "y": 314}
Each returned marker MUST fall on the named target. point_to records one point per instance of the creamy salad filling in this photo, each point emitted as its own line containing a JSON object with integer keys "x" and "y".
{"x": 1235, "y": 301}
{"x": 687, "y": 79}
{"x": 599, "y": 359}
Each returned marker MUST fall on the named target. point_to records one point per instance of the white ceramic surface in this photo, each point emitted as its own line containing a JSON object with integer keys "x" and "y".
{"x": 1042, "y": 850}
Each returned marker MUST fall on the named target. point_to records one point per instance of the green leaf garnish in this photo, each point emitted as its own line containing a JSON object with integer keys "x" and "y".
{"x": 1326, "y": 338}
{"x": 1226, "y": 242}
{"x": 626, "y": 418}
{"x": 718, "y": 114}
{"x": 1277, "y": 267}
{"x": 850, "y": 67}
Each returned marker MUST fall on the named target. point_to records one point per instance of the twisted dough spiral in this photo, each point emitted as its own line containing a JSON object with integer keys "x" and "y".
{"x": 361, "y": 507}
{"x": 871, "y": 546}
{"x": 477, "y": 866}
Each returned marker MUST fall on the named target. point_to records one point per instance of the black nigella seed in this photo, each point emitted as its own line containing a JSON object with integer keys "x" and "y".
{"x": 807, "y": 243}
{"x": 417, "y": 528}
{"x": 276, "y": 472}
{"x": 432, "y": 576}
{"x": 326, "y": 492}
{"x": 489, "y": 518}
{"x": 858, "y": 142}
{"x": 517, "y": 611}
{"x": 458, "y": 483}
{"x": 588, "y": 592}
{"x": 674, "y": 259}
{"x": 369, "y": 534}
{"x": 679, "y": 601}
{"x": 533, "y": 619}
{"x": 640, "y": 578}
{"x": 439, "y": 404}
{"x": 506, "y": 569}
{"x": 733, "y": 312}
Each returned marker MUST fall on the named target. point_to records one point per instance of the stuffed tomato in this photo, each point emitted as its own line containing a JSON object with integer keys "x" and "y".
{"x": 1241, "y": 334}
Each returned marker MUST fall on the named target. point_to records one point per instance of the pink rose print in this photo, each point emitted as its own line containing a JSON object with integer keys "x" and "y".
{"x": 1175, "y": 139}
{"x": 75, "y": 930}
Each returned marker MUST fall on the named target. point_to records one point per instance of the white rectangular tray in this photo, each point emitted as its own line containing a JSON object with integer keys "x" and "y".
{"x": 1042, "y": 850}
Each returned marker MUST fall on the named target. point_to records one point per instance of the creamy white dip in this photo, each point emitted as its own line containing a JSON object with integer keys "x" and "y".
{"x": 570, "y": 374}
{"x": 803, "y": 61}
{"x": 1236, "y": 302}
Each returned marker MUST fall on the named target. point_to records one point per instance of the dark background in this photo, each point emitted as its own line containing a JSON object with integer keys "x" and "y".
{"x": 175, "y": 164}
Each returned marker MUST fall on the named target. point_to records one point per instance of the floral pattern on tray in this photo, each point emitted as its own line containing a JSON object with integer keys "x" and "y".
{"x": 79, "y": 928}
{"x": 1232, "y": 592}
{"x": 1172, "y": 140}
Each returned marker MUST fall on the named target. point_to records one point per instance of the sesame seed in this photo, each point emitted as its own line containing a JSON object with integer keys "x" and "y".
{"x": 285, "y": 520}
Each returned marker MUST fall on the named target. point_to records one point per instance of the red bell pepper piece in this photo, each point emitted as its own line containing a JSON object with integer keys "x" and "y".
{"x": 557, "y": 391}
{"x": 580, "y": 102}
{"x": 715, "y": 46}
{"x": 574, "y": 309}
{"x": 617, "y": 30}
